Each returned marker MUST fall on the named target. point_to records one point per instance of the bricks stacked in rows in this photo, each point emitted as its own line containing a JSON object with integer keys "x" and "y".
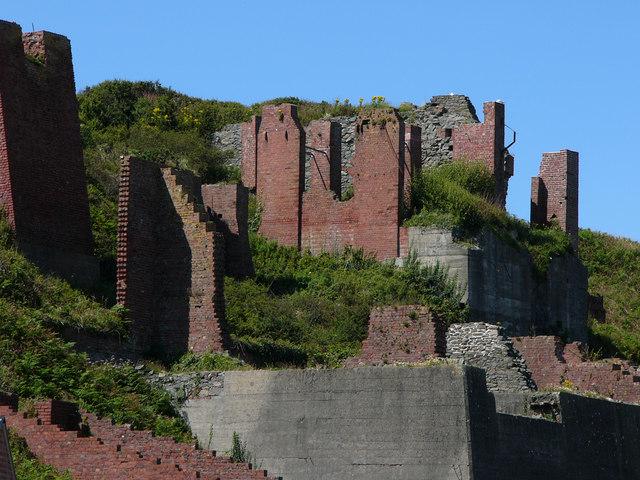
{"x": 42, "y": 178}
{"x": 406, "y": 333}
{"x": 552, "y": 364}
{"x": 115, "y": 452}
{"x": 170, "y": 260}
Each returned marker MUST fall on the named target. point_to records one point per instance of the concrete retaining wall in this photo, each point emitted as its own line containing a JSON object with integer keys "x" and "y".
{"x": 437, "y": 423}
{"x": 501, "y": 287}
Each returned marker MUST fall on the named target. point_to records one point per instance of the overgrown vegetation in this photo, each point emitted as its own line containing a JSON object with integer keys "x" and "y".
{"x": 27, "y": 466}
{"x": 36, "y": 363}
{"x": 461, "y": 196}
{"x": 614, "y": 272}
{"x": 191, "y": 362}
{"x": 302, "y": 308}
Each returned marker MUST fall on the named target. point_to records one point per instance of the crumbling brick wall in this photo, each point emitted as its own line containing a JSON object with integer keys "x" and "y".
{"x": 249, "y": 154}
{"x": 170, "y": 265}
{"x": 553, "y": 363}
{"x": 42, "y": 178}
{"x": 484, "y": 142}
{"x": 228, "y": 204}
{"x": 554, "y": 192}
{"x": 403, "y": 333}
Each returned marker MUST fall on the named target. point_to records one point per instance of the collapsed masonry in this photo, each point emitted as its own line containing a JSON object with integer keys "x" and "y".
{"x": 42, "y": 180}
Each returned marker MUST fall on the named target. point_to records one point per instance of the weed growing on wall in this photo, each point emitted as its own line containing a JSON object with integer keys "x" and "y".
{"x": 314, "y": 310}
{"x": 460, "y": 196}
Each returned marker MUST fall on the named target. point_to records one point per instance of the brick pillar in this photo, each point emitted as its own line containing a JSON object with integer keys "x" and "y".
{"x": 484, "y": 142}
{"x": 280, "y": 173}
{"x": 42, "y": 178}
{"x": 558, "y": 202}
{"x": 412, "y": 157}
{"x": 248, "y": 134}
{"x": 325, "y": 164}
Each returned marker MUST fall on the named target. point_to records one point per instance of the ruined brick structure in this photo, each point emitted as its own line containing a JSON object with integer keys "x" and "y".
{"x": 553, "y": 363}
{"x": 280, "y": 173}
{"x": 170, "y": 265}
{"x": 316, "y": 219}
{"x": 403, "y": 333}
{"x": 299, "y": 175}
{"x": 554, "y": 192}
{"x": 485, "y": 142}
{"x": 111, "y": 451}
{"x": 228, "y": 205}
{"x": 42, "y": 180}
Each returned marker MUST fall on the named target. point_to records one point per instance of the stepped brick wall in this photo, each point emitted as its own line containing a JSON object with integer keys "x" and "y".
{"x": 485, "y": 142}
{"x": 6, "y": 464}
{"x": 229, "y": 207}
{"x": 552, "y": 364}
{"x": 485, "y": 346}
{"x": 280, "y": 173}
{"x": 114, "y": 452}
{"x": 405, "y": 333}
{"x": 170, "y": 273}
{"x": 554, "y": 192}
{"x": 42, "y": 178}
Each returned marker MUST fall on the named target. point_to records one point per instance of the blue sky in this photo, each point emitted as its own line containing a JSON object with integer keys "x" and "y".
{"x": 567, "y": 70}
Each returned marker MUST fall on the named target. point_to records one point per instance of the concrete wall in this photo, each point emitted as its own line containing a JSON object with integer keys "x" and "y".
{"x": 436, "y": 423}
{"x": 364, "y": 423}
{"x": 500, "y": 285}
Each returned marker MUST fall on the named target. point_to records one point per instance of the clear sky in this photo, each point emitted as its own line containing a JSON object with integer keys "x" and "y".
{"x": 567, "y": 70}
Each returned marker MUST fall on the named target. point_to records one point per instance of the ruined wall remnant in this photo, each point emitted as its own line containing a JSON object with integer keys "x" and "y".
{"x": 484, "y": 142}
{"x": 555, "y": 364}
{"x": 404, "y": 333}
{"x": 42, "y": 179}
{"x": 280, "y": 173}
{"x": 170, "y": 273}
{"x": 554, "y": 192}
{"x": 485, "y": 346}
{"x": 502, "y": 287}
{"x": 228, "y": 205}
{"x": 249, "y": 153}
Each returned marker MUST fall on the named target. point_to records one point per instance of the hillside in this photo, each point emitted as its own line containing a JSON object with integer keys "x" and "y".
{"x": 614, "y": 273}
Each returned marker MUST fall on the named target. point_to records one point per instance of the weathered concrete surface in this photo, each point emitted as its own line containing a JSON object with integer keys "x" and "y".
{"x": 363, "y": 423}
{"x": 434, "y": 423}
{"x": 501, "y": 287}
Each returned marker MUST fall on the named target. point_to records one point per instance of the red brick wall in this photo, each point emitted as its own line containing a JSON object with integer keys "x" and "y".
{"x": 42, "y": 178}
{"x": 485, "y": 142}
{"x": 553, "y": 364}
{"x": 558, "y": 200}
{"x": 170, "y": 272}
{"x": 228, "y": 205}
{"x": 370, "y": 219}
{"x": 323, "y": 147}
{"x": 280, "y": 173}
{"x": 405, "y": 333}
{"x": 248, "y": 135}
{"x": 115, "y": 452}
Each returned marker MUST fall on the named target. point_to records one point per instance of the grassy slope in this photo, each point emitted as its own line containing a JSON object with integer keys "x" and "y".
{"x": 36, "y": 363}
{"x": 614, "y": 273}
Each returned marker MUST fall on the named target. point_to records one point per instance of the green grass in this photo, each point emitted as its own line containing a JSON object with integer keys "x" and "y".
{"x": 36, "y": 363}
{"x": 208, "y": 361}
{"x": 614, "y": 272}
{"x": 27, "y": 466}
{"x": 460, "y": 196}
{"x": 302, "y": 308}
